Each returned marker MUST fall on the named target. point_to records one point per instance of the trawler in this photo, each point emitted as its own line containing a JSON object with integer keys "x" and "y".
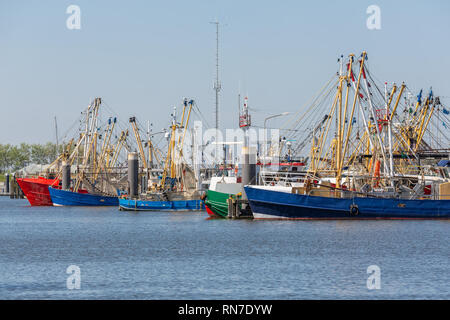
{"x": 381, "y": 163}
{"x": 95, "y": 157}
{"x": 169, "y": 184}
{"x": 36, "y": 190}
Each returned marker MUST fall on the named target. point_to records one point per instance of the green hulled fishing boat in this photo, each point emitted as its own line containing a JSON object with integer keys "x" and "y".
{"x": 216, "y": 203}
{"x": 220, "y": 190}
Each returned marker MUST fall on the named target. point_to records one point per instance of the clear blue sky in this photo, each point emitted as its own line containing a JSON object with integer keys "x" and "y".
{"x": 143, "y": 57}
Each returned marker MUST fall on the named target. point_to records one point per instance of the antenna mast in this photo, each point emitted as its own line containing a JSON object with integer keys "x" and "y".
{"x": 217, "y": 84}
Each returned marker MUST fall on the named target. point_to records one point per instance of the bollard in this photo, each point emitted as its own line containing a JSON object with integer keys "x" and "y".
{"x": 248, "y": 166}
{"x": 230, "y": 207}
{"x": 133, "y": 172}
{"x": 235, "y": 208}
{"x": 12, "y": 187}
{"x": 65, "y": 176}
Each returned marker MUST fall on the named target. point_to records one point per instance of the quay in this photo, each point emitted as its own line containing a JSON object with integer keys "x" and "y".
{"x": 11, "y": 188}
{"x": 239, "y": 209}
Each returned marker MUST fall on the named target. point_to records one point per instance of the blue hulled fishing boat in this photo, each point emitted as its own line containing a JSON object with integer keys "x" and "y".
{"x": 171, "y": 185}
{"x": 69, "y": 198}
{"x": 281, "y": 203}
{"x": 374, "y": 154}
{"x": 145, "y": 205}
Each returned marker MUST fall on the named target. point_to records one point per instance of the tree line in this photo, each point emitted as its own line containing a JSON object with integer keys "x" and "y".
{"x": 15, "y": 157}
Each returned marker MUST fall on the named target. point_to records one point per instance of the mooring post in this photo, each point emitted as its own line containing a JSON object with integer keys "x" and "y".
{"x": 144, "y": 184}
{"x": 12, "y": 186}
{"x": 7, "y": 183}
{"x": 235, "y": 208}
{"x": 65, "y": 176}
{"x": 230, "y": 207}
{"x": 248, "y": 166}
{"x": 248, "y": 170}
{"x": 133, "y": 173}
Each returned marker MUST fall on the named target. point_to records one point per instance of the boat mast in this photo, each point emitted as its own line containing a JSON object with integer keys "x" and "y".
{"x": 341, "y": 153}
{"x": 151, "y": 149}
{"x": 341, "y": 73}
{"x": 86, "y": 141}
{"x": 338, "y": 131}
{"x": 378, "y": 133}
{"x": 56, "y": 134}
{"x": 389, "y": 123}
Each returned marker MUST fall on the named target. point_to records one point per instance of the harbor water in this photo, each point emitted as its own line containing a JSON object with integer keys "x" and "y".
{"x": 161, "y": 255}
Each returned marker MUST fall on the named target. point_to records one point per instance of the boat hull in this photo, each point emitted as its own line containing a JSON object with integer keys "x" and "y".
{"x": 69, "y": 198}
{"x": 36, "y": 190}
{"x": 269, "y": 204}
{"x": 149, "y": 205}
{"x": 216, "y": 203}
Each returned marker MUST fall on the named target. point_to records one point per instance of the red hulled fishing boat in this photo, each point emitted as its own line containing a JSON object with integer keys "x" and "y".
{"x": 36, "y": 190}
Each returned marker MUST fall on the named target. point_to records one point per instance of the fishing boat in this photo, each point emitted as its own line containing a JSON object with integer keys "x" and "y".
{"x": 221, "y": 189}
{"x": 69, "y": 198}
{"x": 380, "y": 163}
{"x": 177, "y": 188}
{"x": 272, "y": 172}
{"x": 95, "y": 179}
{"x": 173, "y": 205}
{"x": 282, "y": 203}
{"x": 225, "y": 188}
{"x": 216, "y": 203}
{"x": 86, "y": 172}
{"x": 36, "y": 190}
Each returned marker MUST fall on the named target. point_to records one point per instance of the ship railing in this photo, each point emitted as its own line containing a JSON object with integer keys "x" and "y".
{"x": 282, "y": 178}
{"x": 346, "y": 193}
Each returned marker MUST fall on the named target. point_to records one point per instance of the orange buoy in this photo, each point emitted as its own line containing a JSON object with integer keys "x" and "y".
{"x": 376, "y": 173}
